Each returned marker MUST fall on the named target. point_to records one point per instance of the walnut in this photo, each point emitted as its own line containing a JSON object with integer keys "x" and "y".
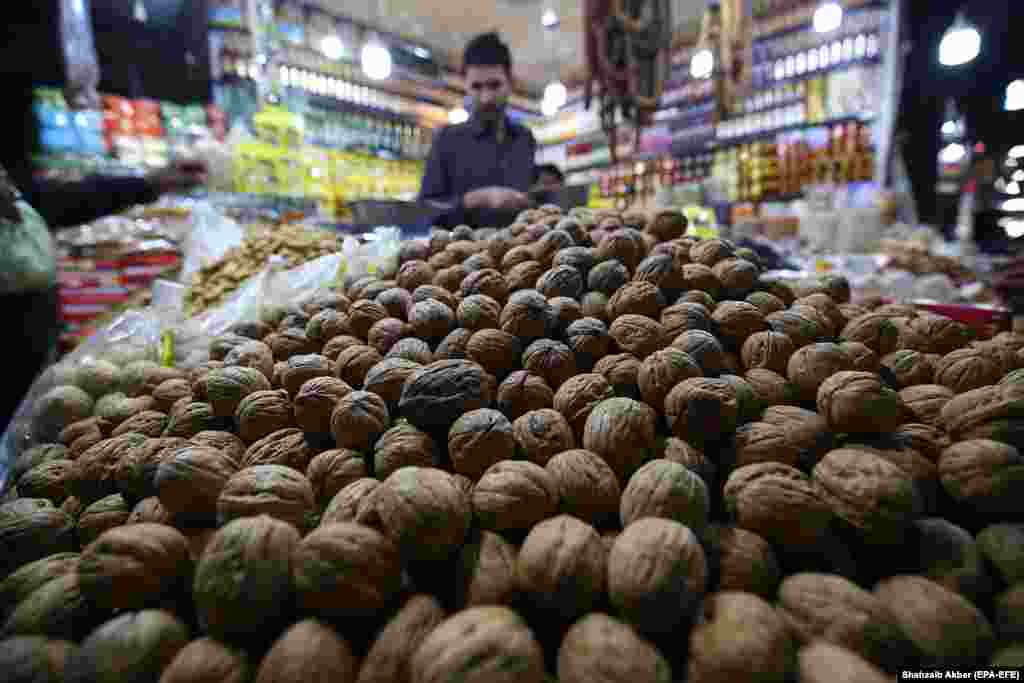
{"x": 527, "y": 315}
{"x": 600, "y": 648}
{"x": 485, "y": 571}
{"x": 358, "y": 420}
{"x": 453, "y": 347}
{"x": 697, "y": 276}
{"x": 621, "y": 431}
{"x": 28, "y": 578}
{"x": 822, "y": 662}
{"x": 541, "y": 434}
{"x": 704, "y": 348}
{"x": 945, "y": 627}
{"x": 622, "y": 372}
{"x": 637, "y": 298}
{"x": 384, "y": 334}
{"x": 587, "y": 487}
{"x": 127, "y": 567}
{"x": 985, "y": 475}
{"x": 595, "y": 305}
{"x": 522, "y": 392}
{"x": 737, "y": 320}
{"x": 657, "y": 573}
{"x": 739, "y": 636}
{"x": 308, "y": 650}
{"x": 133, "y": 646}
{"x": 663, "y": 488}
{"x": 149, "y": 511}
{"x": 496, "y": 351}
{"x": 622, "y": 246}
{"x": 697, "y": 296}
{"x": 423, "y": 512}
{"x": 638, "y": 335}
{"x": 431, "y": 319}
{"x": 263, "y": 412}
{"x": 441, "y": 392}
{"x": 346, "y": 570}
{"x": 105, "y": 513}
{"x": 577, "y": 397}
{"x": 286, "y": 447}
{"x": 966, "y": 369}
{"x": 927, "y": 440}
{"x": 411, "y": 349}
{"x": 348, "y": 504}
{"x": 580, "y": 258}
{"x": 489, "y": 644}
{"x": 315, "y": 401}
{"x": 335, "y": 345}
{"x": 711, "y": 251}
{"x": 702, "y": 410}
{"x": 811, "y": 365}
{"x": 770, "y": 388}
{"x": 607, "y": 276}
{"x": 685, "y": 316}
{"x": 95, "y": 472}
{"x": 943, "y": 334}
{"x": 922, "y": 471}
{"x": 354, "y": 362}
{"x": 777, "y": 502}
{"x": 766, "y": 303}
{"x": 663, "y": 370}
{"x": 479, "y": 439}
{"x": 561, "y": 567}
{"x": 767, "y": 350}
{"x": 39, "y": 454}
{"x": 326, "y": 325}
{"x": 524, "y": 276}
{"x": 389, "y": 656}
{"x": 189, "y": 482}
{"x": 741, "y": 560}
{"x": 487, "y": 281}
{"x": 31, "y": 529}
{"x": 834, "y": 609}
{"x": 868, "y": 492}
{"x": 48, "y": 481}
{"x": 926, "y": 401}
{"x": 859, "y": 402}
{"x": 412, "y": 274}
{"x": 1001, "y": 546}
{"x": 206, "y": 659}
{"x": 514, "y": 495}
{"x": 564, "y": 312}
{"x": 275, "y": 490}
{"x": 478, "y": 312}
{"x": 403, "y": 446}
{"x": 331, "y": 471}
{"x": 362, "y": 315}
{"x": 561, "y": 281}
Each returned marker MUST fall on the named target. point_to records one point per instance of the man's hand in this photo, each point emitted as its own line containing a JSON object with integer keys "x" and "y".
{"x": 179, "y": 176}
{"x": 496, "y": 198}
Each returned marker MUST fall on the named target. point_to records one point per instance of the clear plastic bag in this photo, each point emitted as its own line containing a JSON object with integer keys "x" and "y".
{"x": 81, "y": 64}
{"x": 377, "y": 257}
{"x": 211, "y": 236}
{"x": 27, "y": 258}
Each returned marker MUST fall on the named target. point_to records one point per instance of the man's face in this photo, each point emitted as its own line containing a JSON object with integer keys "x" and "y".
{"x": 488, "y": 88}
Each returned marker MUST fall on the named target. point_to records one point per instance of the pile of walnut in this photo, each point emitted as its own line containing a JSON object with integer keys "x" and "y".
{"x": 214, "y": 283}
{"x": 583, "y": 448}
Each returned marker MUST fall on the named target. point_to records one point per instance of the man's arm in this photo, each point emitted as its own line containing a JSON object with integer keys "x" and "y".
{"x": 64, "y": 204}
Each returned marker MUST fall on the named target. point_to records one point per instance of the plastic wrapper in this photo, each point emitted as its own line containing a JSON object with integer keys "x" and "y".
{"x": 81, "y": 64}
{"x": 378, "y": 256}
{"x": 211, "y": 236}
{"x": 135, "y": 335}
{"x": 27, "y": 258}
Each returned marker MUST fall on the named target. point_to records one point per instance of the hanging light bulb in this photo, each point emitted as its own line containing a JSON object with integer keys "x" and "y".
{"x": 332, "y": 47}
{"x": 457, "y": 116}
{"x": 1013, "y": 187}
{"x": 960, "y": 44}
{"x": 828, "y": 17}
{"x": 548, "y": 108}
{"x": 1014, "y": 96}
{"x": 549, "y": 19}
{"x": 556, "y": 93}
{"x": 949, "y": 128}
{"x": 376, "y": 60}
{"x": 1016, "y": 152}
{"x": 952, "y": 153}
{"x": 702, "y": 64}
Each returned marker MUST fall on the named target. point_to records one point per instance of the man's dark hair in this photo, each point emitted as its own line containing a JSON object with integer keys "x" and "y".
{"x": 487, "y": 50}
{"x": 553, "y": 170}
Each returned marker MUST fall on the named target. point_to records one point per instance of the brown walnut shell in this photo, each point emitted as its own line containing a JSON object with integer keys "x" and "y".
{"x": 666, "y": 489}
{"x": 514, "y": 495}
{"x": 403, "y": 446}
{"x": 552, "y": 360}
{"x": 479, "y": 439}
{"x": 131, "y": 566}
{"x": 702, "y": 410}
{"x": 742, "y": 561}
{"x": 986, "y": 475}
{"x": 441, "y": 392}
{"x": 966, "y": 369}
{"x": 561, "y": 567}
{"x": 358, "y": 420}
{"x": 286, "y": 447}
{"x": 105, "y": 513}
{"x": 859, "y": 402}
{"x": 637, "y": 334}
{"x": 622, "y": 432}
{"x": 275, "y": 490}
{"x": 96, "y": 470}
{"x": 31, "y": 529}
{"x": 315, "y": 401}
{"x": 309, "y": 650}
{"x": 354, "y": 362}
{"x": 189, "y": 482}
{"x": 600, "y": 648}
{"x": 331, "y": 471}
{"x": 133, "y": 646}
{"x": 541, "y": 434}
{"x": 777, "y": 502}
{"x": 485, "y": 571}
{"x": 522, "y": 392}
{"x": 577, "y": 397}
{"x": 587, "y": 487}
{"x": 657, "y": 573}
{"x": 346, "y": 570}
{"x": 352, "y": 502}
{"x": 388, "y": 658}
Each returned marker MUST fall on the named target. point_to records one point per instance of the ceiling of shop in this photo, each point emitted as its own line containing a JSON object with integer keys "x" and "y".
{"x": 539, "y": 55}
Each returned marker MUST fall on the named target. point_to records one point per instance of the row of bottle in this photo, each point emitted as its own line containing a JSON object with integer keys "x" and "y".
{"x": 829, "y": 54}
{"x": 779, "y": 96}
{"x": 353, "y": 130}
{"x": 796, "y": 15}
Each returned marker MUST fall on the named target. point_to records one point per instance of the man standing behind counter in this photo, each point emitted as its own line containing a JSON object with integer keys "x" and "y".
{"x": 484, "y": 167}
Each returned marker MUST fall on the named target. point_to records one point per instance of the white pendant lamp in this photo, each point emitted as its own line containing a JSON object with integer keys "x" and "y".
{"x": 556, "y": 94}
{"x": 376, "y": 60}
{"x": 960, "y": 44}
{"x": 457, "y": 116}
{"x": 702, "y": 64}
{"x": 1014, "y": 96}
{"x": 332, "y": 47}
{"x": 828, "y": 16}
